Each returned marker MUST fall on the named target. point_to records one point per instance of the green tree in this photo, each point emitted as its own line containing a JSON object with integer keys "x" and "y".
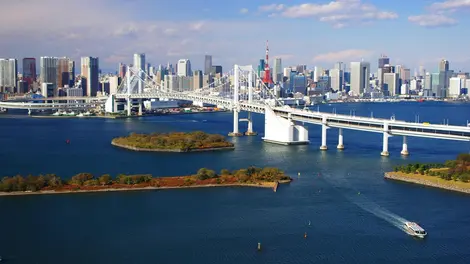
{"x": 105, "y": 179}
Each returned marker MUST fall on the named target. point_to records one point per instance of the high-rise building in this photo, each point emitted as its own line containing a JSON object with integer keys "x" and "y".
{"x": 48, "y": 71}
{"x": 360, "y": 72}
{"x": 72, "y": 73}
{"x": 216, "y": 69}
{"x": 113, "y": 84}
{"x": 444, "y": 66}
{"x": 29, "y": 70}
{"x": 405, "y": 75}
{"x": 122, "y": 70}
{"x": 391, "y": 84}
{"x": 207, "y": 64}
{"x": 197, "y": 80}
{"x": 383, "y": 60}
{"x": 317, "y": 73}
{"x": 65, "y": 72}
{"x": 184, "y": 67}
{"x": 455, "y": 86}
{"x": 277, "y": 70}
{"x": 90, "y": 72}
{"x": 139, "y": 61}
{"x": 8, "y": 75}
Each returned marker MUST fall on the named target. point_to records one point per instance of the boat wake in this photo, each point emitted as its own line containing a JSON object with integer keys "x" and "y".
{"x": 361, "y": 200}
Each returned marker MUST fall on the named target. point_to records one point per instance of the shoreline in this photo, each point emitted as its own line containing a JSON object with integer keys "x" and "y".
{"x": 132, "y": 116}
{"x": 272, "y": 185}
{"x": 168, "y": 150}
{"x": 430, "y": 181}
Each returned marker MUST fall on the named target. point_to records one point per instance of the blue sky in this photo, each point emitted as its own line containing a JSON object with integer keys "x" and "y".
{"x": 316, "y": 33}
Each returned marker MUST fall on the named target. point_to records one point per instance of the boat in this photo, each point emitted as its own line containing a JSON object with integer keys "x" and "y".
{"x": 80, "y": 115}
{"x": 56, "y": 113}
{"x": 413, "y": 229}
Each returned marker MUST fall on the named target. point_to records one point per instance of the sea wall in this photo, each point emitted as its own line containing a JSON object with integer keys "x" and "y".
{"x": 443, "y": 184}
{"x": 257, "y": 185}
{"x": 167, "y": 150}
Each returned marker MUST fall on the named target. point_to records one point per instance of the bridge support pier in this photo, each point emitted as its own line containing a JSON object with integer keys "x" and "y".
{"x": 235, "y": 132}
{"x": 385, "y": 141}
{"x": 404, "y": 150}
{"x": 340, "y": 139}
{"x": 129, "y": 106}
{"x": 323, "y": 137}
{"x": 250, "y": 132}
{"x": 140, "y": 107}
{"x": 385, "y": 145}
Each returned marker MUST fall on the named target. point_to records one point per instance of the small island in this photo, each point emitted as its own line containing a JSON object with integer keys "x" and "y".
{"x": 174, "y": 142}
{"x": 86, "y": 182}
{"x": 453, "y": 175}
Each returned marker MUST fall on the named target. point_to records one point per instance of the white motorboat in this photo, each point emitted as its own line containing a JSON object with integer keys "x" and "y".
{"x": 414, "y": 229}
{"x": 80, "y": 115}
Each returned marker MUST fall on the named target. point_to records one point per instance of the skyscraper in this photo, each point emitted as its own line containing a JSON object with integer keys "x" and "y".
{"x": 139, "y": 61}
{"x": 90, "y": 68}
{"x": 207, "y": 64}
{"x": 360, "y": 72}
{"x": 8, "y": 75}
{"x": 29, "y": 70}
{"x": 383, "y": 60}
{"x": 197, "y": 79}
{"x": 48, "y": 70}
{"x": 122, "y": 70}
{"x": 72, "y": 73}
{"x": 444, "y": 66}
{"x": 184, "y": 67}
{"x": 277, "y": 70}
{"x": 64, "y": 71}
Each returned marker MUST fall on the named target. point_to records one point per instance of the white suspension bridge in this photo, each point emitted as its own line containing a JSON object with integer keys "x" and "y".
{"x": 242, "y": 89}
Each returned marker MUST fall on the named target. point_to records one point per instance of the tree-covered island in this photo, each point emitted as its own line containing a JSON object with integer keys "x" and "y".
{"x": 86, "y": 182}
{"x": 452, "y": 175}
{"x": 173, "y": 142}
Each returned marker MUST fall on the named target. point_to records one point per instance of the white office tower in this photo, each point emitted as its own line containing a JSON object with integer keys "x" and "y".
{"x": 335, "y": 78}
{"x": 139, "y": 61}
{"x": 48, "y": 89}
{"x": 277, "y": 70}
{"x": 287, "y": 71}
{"x": 184, "y": 67}
{"x": 317, "y": 73}
{"x": 113, "y": 84}
{"x": 360, "y": 72}
{"x": 413, "y": 85}
{"x": 8, "y": 73}
{"x": 405, "y": 89}
{"x": 391, "y": 82}
{"x": 455, "y": 85}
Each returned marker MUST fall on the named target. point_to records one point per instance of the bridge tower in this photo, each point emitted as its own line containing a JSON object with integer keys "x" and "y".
{"x": 236, "y": 102}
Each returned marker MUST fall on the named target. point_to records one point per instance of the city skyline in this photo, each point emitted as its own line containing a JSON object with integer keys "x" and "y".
{"x": 317, "y": 33}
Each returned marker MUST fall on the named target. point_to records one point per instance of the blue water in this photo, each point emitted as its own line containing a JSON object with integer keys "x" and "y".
{"x": 354, "y": 213}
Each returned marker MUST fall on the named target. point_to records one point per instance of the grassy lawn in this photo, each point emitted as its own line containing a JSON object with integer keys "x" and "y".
{"x": 436, "y": 179}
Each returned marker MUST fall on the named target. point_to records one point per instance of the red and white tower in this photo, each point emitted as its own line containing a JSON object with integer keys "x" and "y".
{"x": 267, "y": 71}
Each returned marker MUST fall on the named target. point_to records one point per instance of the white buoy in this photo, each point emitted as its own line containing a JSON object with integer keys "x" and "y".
{"x": 259, "y": 246}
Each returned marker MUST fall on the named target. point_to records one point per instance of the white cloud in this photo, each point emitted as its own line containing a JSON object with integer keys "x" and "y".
{"x": 432, "y": 20}
{"x": 451, "y": 4}
{"x": 338, "y": 13}
{"x": 244, "y": 10}
{"x": 272, "y": 7}
{"x": 343, "y": 55}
